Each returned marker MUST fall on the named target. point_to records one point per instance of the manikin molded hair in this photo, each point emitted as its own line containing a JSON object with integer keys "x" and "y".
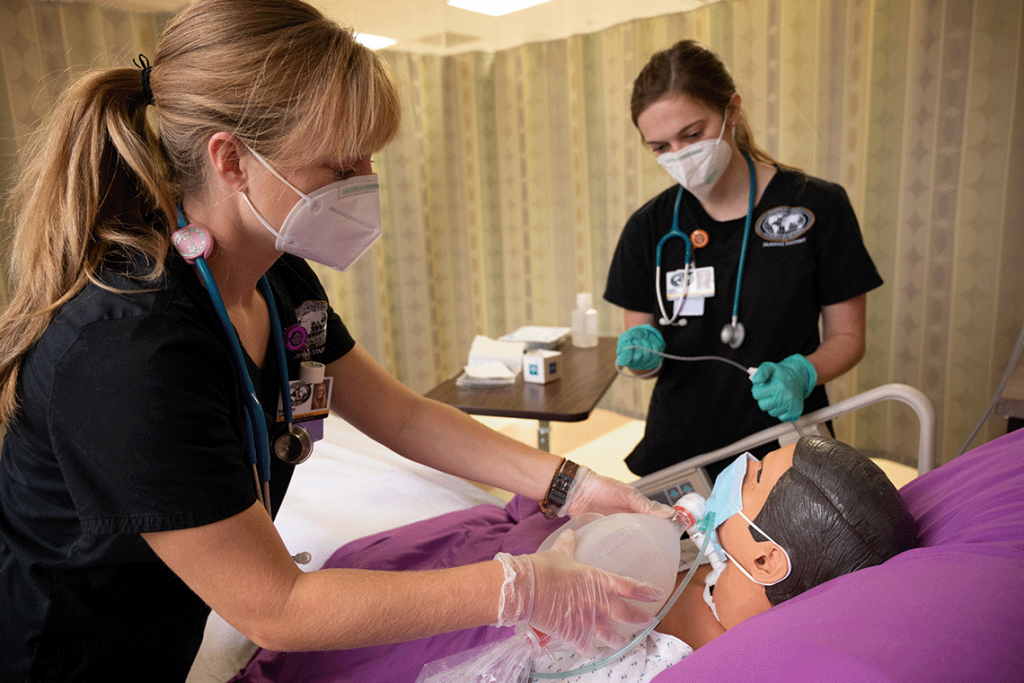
{"x": 834, "y": 511}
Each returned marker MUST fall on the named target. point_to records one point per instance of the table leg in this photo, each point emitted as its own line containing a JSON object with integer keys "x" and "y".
{"x": 544, "y": 435}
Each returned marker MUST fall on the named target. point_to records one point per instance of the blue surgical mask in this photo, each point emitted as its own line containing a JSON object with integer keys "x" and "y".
{"x": 725, "y": 501}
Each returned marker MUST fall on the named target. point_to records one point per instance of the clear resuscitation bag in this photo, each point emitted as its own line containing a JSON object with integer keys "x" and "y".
{"x": 640, "y": 546}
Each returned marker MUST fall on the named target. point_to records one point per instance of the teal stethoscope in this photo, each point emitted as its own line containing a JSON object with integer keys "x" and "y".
{"x": 733, "y": 333}
{"x": 292, "y": 444}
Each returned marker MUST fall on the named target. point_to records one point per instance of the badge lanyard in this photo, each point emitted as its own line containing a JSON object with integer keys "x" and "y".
{"x": 733, "y": 332}
{"x": 194, "y": 243}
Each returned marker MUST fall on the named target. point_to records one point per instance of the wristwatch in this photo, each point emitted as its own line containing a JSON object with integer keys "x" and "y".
{"x": 559, "y": 488}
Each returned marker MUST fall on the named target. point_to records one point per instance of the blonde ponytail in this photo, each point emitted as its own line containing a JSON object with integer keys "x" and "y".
{"x": 99, "y": 181}
{"x": 91, "y": 182}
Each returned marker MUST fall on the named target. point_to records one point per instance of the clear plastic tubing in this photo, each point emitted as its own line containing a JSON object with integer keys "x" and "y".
{"x": 643, "y": 632}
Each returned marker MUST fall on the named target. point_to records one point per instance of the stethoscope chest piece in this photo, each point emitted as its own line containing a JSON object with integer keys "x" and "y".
{"x": 733, "y": 334}
{"x": 293, "y": 444}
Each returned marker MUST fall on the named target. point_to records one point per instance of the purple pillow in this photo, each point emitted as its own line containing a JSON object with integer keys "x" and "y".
{"x": 952, "y": 610}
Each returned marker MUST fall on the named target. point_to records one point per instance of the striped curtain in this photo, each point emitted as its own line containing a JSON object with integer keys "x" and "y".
{"x": 514, "y": 173}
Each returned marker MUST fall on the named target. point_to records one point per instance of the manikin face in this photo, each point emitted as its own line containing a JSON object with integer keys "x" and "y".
{"x": 737, "y": 597}
{"x": 676, "y": 121}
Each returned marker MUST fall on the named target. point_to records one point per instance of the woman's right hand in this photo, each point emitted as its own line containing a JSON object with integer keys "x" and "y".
{"x": 576, "y": 603}
{"x": 638, "y": 348}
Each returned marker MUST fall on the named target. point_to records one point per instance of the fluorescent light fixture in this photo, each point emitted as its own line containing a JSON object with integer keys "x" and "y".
{"x": 374, "y": 42}
{"x": 495, "y": 8}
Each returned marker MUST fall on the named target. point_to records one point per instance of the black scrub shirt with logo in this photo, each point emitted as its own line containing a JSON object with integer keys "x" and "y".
{"x": 131, "y": 421}
{"x": 805, "y": 251}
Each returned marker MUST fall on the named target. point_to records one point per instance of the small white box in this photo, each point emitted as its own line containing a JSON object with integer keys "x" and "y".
{"x": 540, "y": 366}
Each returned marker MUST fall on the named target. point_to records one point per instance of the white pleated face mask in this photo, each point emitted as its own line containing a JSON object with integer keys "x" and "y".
{"x": 334, "y": 225}
{"x": 699, "y": 166}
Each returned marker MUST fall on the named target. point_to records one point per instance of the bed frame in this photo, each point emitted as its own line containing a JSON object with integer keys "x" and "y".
{"x": 676, "y": 477}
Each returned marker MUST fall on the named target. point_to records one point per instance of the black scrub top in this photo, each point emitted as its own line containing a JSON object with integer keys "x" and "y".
{"x": 131, "y": 421}
{"x": 805, "y": 251}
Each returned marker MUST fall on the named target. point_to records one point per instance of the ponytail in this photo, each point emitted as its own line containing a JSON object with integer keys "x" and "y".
{"x": 92, "y": 183}
{"x": 99, "y": 181}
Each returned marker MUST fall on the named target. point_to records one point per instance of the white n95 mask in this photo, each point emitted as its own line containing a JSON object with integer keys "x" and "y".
{"x": 334, "y": 225}
{"x": 699, "y": 166}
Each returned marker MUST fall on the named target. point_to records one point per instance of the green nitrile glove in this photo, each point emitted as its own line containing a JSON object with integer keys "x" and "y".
{"x": 644, "y": 339}
{"x": 780, "y": 388}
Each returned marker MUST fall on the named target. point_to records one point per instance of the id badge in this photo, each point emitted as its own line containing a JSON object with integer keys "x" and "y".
{"x": 699, "y": 284}
{"x": 688, "y": 306}
{"x": 310, "y": 401}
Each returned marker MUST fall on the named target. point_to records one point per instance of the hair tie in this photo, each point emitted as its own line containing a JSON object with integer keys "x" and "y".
{"x": 143, "y": 63}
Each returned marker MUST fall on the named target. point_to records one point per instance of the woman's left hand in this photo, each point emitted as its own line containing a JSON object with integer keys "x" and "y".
{"x": 780, "y": 388}
{"x": 592, "y": 492}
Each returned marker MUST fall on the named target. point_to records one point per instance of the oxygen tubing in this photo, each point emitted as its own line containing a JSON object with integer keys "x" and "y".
{"x": 749, "y": 371}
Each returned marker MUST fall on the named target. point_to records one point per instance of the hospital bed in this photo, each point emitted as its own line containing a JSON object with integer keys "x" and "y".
{"x": 948, "y": 611}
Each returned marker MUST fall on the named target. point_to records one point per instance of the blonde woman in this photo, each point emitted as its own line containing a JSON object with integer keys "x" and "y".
{"x": 128, "y": 506}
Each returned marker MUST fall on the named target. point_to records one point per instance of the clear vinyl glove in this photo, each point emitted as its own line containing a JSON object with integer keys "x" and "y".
{"x": 575, "y": 603}
{"x": 592, "y": 492}
{"x": 780, "y": 388}
{"x": 644, "y": 339}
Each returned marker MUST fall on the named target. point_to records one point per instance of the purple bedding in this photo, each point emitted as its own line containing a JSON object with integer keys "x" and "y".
{"x": 952, "y": 610}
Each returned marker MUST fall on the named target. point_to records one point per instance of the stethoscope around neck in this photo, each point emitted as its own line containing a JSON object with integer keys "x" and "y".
{"x": 733, "y": 333}
{"x": 292, "y": 443}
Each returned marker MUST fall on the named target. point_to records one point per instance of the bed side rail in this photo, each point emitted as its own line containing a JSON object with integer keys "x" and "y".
{"x": 887, "y": 392}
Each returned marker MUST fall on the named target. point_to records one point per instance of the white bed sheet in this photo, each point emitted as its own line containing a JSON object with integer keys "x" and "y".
{"x": 351, "y": 487}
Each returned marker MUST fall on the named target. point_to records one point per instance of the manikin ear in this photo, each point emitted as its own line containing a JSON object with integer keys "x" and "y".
{"x": 770, "y": 563}
{"x": 225, "y": 153}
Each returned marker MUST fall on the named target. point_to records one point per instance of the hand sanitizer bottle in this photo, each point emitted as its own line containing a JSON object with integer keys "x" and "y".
{"x": 584, "y": 322}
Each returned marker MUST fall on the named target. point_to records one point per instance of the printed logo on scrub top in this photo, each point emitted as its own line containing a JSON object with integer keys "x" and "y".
{"x": 784, "y": 225}
{"x": 312, "y": 315}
